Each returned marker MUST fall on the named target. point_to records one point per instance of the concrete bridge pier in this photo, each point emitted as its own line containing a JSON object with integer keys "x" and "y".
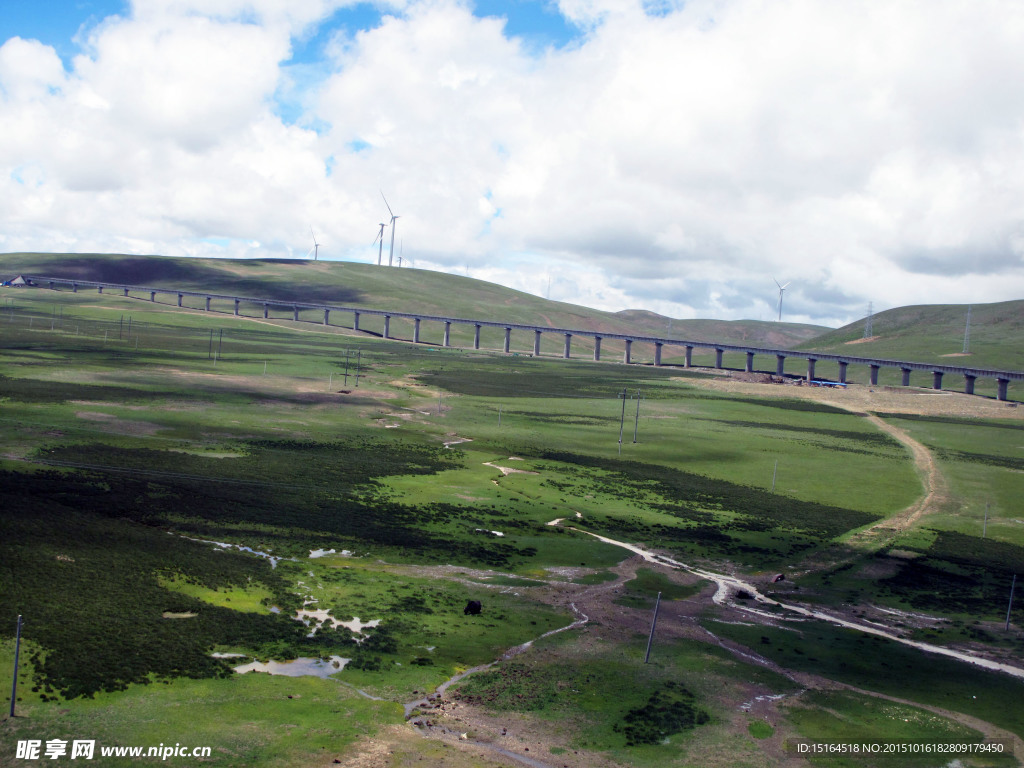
{"x": 969, "y": 384}
{"x": 416, "y": 331}
{"x": 750, "y": 362}
{"x": 387, "y": 326}
{"x": 181, "y": 297}
{"x": 152, "y": 296}
{"x": 1002, "y": 388}
{"x": 51, "y": 288}
{"x": 906, "y": 376}
{"x": 536, "y": 343}
{"x": 295, "y": 314}
{"x": 568, "y": 343}
{"x": 842, "y": 371}
{"x": 936, "y": 379}
{"x": 447, "y": 333}
{"x": 100, "y": 290}
{"x": 780, "y": 365}
{"x": 125, "y": 291}
{"x": 718, "y": 357}
{"x": 327, "y": 317}
{"x": 207, "y": 301}
{"x": 810, "y": 369}
{"x": 237, "y": 302}
{"x": 626, "y": 354}
{"x": 597, "y": 349}
{"x": 688, "y": 359}
{"x": 266, "y": 311}
{"x": 355, "y": 321}
{"x": 874, "y": 374}
{"x": 74, "y": 287}
{"x": 476, "y": 336}
{"x": 657, "y": 352}
{"x": 508, "y": 340}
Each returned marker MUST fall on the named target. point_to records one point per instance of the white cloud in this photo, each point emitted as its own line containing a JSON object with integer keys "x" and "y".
{"x": 672, "y": 157}
{"x": 29, "y": 70}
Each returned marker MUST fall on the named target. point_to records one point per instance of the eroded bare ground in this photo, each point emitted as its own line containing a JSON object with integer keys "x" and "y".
{"x": 863, "y": 399}
{"x": 453, "y": 733}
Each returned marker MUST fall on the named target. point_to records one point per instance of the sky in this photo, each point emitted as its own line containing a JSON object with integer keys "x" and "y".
{"x": 680, "y": 157}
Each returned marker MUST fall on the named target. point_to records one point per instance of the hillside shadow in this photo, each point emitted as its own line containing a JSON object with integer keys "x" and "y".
{"x": 187, "y": 273}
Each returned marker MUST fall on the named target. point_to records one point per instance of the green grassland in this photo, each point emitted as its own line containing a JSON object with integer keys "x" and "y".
{"x": 881, "y": 665}
{"x": 125, "y": 453}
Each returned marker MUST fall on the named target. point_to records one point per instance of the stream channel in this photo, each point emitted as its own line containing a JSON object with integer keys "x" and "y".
{"x": 727, "y": 586}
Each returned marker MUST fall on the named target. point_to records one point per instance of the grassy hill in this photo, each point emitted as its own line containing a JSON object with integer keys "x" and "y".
{"x": 935, "y": 333}
{"x": 431, "y": 477}
{"x": 373, "y": 287}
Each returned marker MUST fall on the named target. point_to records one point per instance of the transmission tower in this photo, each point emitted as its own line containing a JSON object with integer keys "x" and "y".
{"x": 867, "y": 323}
{"x": 967, "y": 330}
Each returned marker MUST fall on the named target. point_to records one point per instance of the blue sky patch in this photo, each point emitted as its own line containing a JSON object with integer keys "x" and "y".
{"x": 537, "y": 22}
{"x": 346, "y": 21}
{"x": 55, "y": 22}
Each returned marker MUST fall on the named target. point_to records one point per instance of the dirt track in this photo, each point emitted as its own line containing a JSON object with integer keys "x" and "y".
{"x": 396, "y": 746}
{"x": 865, "y": 399}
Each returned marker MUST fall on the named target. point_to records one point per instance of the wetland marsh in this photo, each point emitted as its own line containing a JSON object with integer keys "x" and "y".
{"x": 232, "y": 472}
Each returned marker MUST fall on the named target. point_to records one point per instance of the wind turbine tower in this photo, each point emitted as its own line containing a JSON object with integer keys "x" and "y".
{"x": 782, "y": 290}
{"x": 316, "y": 245}
{"x": 391, "y": 255}
{"x": 380, "y": 236}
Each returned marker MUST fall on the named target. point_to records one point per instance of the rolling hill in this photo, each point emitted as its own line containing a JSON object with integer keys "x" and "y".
{"x": 935, "y": 334}
{"x": 405, "y": 290}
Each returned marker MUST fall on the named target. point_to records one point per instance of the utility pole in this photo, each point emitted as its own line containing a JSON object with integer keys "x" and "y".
{"x": 17, "y": 650}
{"x": 209, "y": 352}
{"x": 346, "y": 366}
{"x": 622, "y": 419}
{"x": 984, "y": 525}
{"x": 636, "y": 422}
{"x": 654, "y": 623}
{"x": 774, "y": 473}
{"x": 359, "y": 358}
{"x": 1008, "y": 609}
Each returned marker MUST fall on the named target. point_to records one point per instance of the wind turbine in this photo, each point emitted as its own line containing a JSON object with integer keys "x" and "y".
{"x": 782, "y": 290}
{"x": 391, "y": 255}
{"x": 380, "y": 236}
{"x": 315, "y": 250}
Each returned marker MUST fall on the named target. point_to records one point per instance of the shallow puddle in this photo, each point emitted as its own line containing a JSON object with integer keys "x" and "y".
{"x": 301, "y": 667}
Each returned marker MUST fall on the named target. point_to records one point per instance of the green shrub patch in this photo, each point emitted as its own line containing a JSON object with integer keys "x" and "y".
{"x": 669, "y": 710}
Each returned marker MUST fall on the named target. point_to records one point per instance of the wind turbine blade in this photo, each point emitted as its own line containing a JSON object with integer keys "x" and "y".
{"x": 386, "y": 203}
{"x": 784, "y": 287}
{"x": 776, "y": 282}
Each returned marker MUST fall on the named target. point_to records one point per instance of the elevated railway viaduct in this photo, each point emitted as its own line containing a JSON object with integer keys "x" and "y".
{"x": 970, "y": 375}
